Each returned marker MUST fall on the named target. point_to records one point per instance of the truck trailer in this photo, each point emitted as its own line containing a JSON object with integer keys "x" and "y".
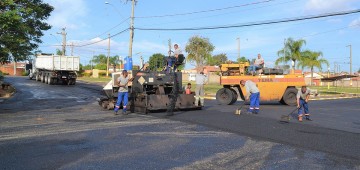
{"x": 54, "y": 69}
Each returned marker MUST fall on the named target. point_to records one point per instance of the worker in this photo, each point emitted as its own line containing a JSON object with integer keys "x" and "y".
{"x": 258, "y": 64}
{"x": 252, "y": 93}
{"x": 179, "y": 56}
{"x": 200, "y": 80}
{"x": 302, "y": 103}
{"x": 188, "y": 88}
{"x": 123, "y": 92}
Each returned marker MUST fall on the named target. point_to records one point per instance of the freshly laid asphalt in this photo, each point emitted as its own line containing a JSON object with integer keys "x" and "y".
{"x": 334, "y": 129}
{"x": 63, "y": 127}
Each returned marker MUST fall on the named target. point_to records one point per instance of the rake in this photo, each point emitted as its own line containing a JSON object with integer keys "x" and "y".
{"x": 286, "y": 118}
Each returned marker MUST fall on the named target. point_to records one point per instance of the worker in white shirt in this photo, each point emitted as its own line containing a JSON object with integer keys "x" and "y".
{"x": 200, "y": 80}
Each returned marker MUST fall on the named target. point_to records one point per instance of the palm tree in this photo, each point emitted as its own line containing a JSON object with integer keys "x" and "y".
{"x": 291, "y": 52}
{"x": 311, "y": 60}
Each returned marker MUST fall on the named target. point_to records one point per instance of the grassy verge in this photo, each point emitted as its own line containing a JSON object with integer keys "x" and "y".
{"x": 334, "y": 90}
{"x": 91, "y": 79}
{"x": 209, "y": 88}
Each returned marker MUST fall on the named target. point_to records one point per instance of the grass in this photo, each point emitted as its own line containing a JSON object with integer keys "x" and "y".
{"x": 91, "y": 79}
{"x": 209, "y": 88}
{"x": 334, "y": 89}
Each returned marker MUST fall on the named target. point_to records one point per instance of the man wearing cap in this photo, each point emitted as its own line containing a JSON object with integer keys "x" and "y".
{"x": 200, "y": 80}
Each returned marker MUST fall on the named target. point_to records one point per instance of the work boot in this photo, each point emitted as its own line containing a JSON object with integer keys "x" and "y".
{"x": 256, "y": 111}
{"x": 308, "y": 118}
{"x": 124, "y": 112}
{"x": 300, "y": 118}
{"x": 116, "y": 111}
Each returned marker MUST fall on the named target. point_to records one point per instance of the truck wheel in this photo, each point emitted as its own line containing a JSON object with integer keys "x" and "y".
{"x": 37, "y": 77}
{"x": 47, "y": 79}
{"x": 235, "y": 96}
{"x": 289, "y": 96}
{"x": 224, "y": 96}
{"x": 51, "y": 81}
{"x": 73, "y": 81}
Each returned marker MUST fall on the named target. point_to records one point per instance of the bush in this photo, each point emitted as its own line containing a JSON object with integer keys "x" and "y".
{"x": 24, "y": 73}
{"x": 86, "y": 74}
{"x": 102, "y": 74}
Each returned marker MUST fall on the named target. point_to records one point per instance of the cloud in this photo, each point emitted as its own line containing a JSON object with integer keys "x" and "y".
{"x": 67, "y": 13}
{"x": 328, "y": 5}
{"x": 355, "y": 23}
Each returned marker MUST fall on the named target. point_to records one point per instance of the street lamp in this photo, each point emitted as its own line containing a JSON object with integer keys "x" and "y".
{"x": 108, "y": 3}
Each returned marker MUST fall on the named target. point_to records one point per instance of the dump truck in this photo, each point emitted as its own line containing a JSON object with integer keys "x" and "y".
{"x": 275, "y": 84}
{"x": 53, "y": 69}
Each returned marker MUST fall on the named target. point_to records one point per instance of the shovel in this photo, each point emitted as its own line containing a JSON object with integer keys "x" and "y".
{"x": 238, "y": 111}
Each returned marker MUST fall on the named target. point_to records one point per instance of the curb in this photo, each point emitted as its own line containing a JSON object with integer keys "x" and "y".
{"x": 316, "y": 98}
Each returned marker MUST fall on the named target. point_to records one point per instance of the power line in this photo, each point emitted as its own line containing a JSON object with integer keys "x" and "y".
{"x": 255, "y": 23}
{"x": 204, "y": 11}
{"x": 107, "y": 31}
{"x": 102, "y": 39}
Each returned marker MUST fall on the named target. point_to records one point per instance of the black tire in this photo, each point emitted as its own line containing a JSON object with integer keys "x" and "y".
{"x": 224, "y": 96}
{"x": 51, "y": 81}
{"x": 289, "y": 96}
{"x": 37, "y": 77}
{"x": 235, "y": 96}
{"x": 47, "y": 79}
{"x": 73, "y": 81}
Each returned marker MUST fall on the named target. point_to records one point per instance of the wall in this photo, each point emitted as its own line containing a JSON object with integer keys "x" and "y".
{"x": 10, "y": 70}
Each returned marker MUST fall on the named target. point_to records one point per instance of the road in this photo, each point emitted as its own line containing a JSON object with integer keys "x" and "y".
{"x": 62, "y": 127}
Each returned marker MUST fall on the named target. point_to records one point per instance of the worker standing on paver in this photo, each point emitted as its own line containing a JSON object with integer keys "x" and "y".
{"x": 252, "y": 93}
{"x": 200, "y": 80}
{"x": 302, "y": 97}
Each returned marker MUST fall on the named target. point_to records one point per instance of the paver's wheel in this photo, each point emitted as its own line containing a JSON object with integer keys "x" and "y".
{"x": 235, "y": 96}
{"x": 224, "y": 96}
{"x": 289, "y": 96}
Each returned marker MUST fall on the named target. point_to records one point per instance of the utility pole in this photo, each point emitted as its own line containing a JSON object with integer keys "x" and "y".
{"x": 72, "y": 48}
{"x": 131, "y": 28}
{"x": 284, "y": 50}
{"x": 238, "y": 47}
{"x": 108, "y": 56}
{"x": 63, "y": 33}
{"x": 350, "y": 64}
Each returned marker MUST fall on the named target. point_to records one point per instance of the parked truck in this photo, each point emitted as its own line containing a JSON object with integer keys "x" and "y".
{"x": 54, "y": 69}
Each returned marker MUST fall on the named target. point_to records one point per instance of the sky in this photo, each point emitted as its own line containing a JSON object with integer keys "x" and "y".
{"x": 90, "y": 21}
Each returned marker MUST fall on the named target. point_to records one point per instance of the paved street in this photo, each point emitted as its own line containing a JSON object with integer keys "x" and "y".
{"x": 63, "y": 127}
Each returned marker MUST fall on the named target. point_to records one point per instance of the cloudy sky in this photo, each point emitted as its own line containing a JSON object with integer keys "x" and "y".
{"x": 88, "y": 21}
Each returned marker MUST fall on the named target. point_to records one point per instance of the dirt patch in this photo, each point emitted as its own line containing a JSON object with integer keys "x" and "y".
{"x": 6, "y": 90}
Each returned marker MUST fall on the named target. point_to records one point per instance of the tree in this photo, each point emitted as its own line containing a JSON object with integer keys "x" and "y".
{"x": 311, "y": 60}
{"x": 58, "y": 52}
{"x": 156, "y": 62}
{"x": 217, "y": 59}
{"x": 100, "y": 61}
{"x": 199, "y": 49}
{"x": 292, "y": 51}
{"x": 21, "y": 27}
{"x": 242, "y": 59}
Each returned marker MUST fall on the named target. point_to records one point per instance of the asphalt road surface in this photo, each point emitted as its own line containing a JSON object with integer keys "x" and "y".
{"x": 63, "y": 127}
